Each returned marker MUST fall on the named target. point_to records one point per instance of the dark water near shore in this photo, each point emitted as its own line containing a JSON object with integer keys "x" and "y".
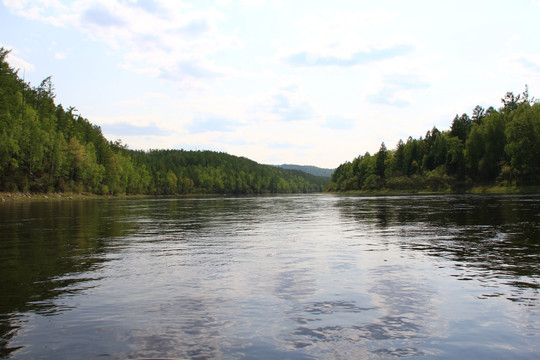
{"x": 273, "y": 277}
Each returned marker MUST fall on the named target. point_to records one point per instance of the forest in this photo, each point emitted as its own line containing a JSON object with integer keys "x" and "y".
{"x": 492, "y": 147}
{"x": 45, "y": 148}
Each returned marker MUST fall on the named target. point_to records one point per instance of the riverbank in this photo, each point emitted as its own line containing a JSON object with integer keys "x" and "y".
{"x": 11, "y": 197}
{"x": 25, "y": 196}
{"x": 505, "y": 190}
{"x": 6, "y": 197}
{"x": 488, "y": 190}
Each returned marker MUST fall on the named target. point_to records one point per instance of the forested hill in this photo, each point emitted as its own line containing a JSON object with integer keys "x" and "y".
{"x": 313, "y": 170}
{"x": 46, "y": 148}
{"x": 491, "y": 147}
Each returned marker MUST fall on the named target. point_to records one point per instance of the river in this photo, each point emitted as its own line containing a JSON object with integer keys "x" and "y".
{"x": 272, "y": 277}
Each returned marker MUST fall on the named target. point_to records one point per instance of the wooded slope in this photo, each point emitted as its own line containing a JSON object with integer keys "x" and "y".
{"x": 46, "y": 148}
{"x": 492, "y": 147}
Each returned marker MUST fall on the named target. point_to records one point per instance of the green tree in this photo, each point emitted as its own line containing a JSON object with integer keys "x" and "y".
{"x": 523, "y": 143}
{"x": 380, "y": 163}
{"x": 461, "y": 126}
{"x": 413, "y": 156}
{"x": 455, "y": 160}
{"x": 432, "y": 149}
{"x": 398, "y": 167}
{"x": 478, "y": 114}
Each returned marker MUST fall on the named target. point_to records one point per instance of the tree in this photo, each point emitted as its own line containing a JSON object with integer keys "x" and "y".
{"x": 491, "y": 147}
{"x": 380, "y": 165}
{"x": 455, "y": 160}
{"x": 494, "y": 143}
{"x": 475, "y": 150}
{"x": 478, "y": 114}
{"x": 523, "y": 143}
{"x": 433, "y": 148}
{"x": 510, "y": 102}
{"x": 461, "y": 126}
{"x": 413, "y": 158}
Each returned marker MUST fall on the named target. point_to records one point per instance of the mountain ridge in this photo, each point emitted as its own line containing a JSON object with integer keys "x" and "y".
{"x": 310, "y": 169}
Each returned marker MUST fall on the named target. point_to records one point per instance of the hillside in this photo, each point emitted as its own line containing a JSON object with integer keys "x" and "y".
{"x": 46, "y": 148}
{"x": 313, "y": 170}
{"x": 489, "y": 148}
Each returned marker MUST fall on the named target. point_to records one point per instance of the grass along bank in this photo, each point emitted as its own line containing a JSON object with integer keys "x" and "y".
{"x": 488, "y": 190}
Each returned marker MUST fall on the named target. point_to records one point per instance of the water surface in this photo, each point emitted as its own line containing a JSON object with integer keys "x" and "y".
{"x": 272, "y": 277}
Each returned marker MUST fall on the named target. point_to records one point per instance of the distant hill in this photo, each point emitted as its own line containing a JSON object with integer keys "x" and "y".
{"x": 313, "y": 170}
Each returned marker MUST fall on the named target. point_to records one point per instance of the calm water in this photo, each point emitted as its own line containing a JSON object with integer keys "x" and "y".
{"x": 283, "y": 277}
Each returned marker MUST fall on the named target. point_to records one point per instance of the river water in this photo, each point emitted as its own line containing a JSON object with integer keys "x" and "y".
{"x": 272, "y": 277}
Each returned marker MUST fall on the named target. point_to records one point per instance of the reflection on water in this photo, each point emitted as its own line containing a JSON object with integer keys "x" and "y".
{"x": 48, "y": 250}
{"x": 497, "y": 235}
{"x": 298, "y": 277}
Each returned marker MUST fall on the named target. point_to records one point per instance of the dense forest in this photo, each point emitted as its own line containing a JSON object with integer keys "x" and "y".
{"x": 489, "y": 148}
{"x": 46, "y": 148}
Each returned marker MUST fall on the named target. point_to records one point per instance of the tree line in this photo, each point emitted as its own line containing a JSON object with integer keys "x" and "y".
{"x": 491, "y": 147}
{"x": 46, "y": 148}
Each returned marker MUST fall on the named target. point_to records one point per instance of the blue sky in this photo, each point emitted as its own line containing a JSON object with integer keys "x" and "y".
{"x": 305, "y": 82}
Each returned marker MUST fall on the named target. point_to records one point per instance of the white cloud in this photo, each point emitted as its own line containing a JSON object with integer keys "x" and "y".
{"x": 190, "y": 69}
{"x": 396, "y": 89}
{"x": 160, "y": 38}
{"x": 223, "y": 3}
{"x": 213, "y": 123}
{"x": 287, "y": 103}
{"x": 128, "y": 129}
{"x": 18, "y": 63}
{"x": 389, "y": 96}
{"x": 361, "y": 57}
{"x": 60, "y": 55}
{"x": 530, "y": 62}
{"x": 290, "y": 107}
{"x": 36, "y": 9}
{"x": 339, "y": 122}
{"x": 146, "y": 99}
{"x": 523, "y": 67}
{"x": 254, "y": 3}
{"x": 358, "y": 77}
{"x": 342, "y": 34}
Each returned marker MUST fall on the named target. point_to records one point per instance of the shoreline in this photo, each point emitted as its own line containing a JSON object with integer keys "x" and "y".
{"x": 11, "y": 197}
{"x": 476, "y": 190}
{"x": 20, "y": 197}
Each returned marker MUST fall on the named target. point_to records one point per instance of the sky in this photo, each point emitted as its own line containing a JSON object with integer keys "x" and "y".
{"x": 297, "y": 82}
